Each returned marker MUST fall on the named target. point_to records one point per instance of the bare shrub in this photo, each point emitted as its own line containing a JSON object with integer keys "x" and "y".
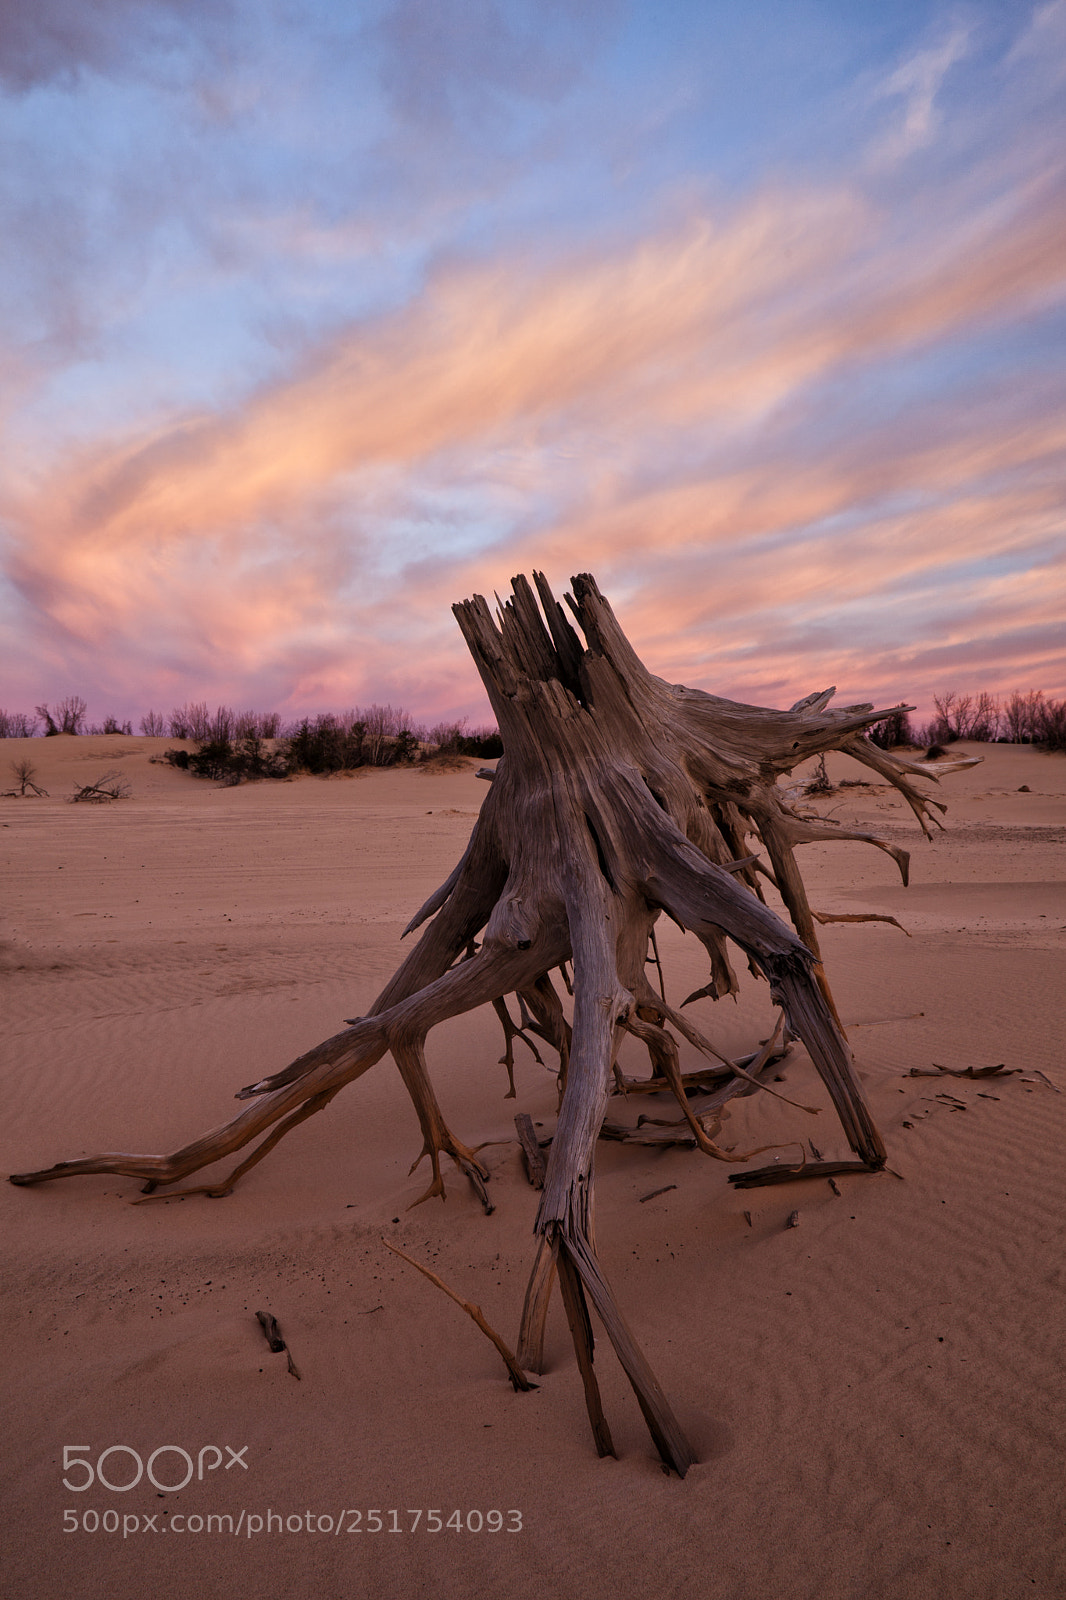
{"x": 984, "y": 719}
{"x": 191, "y": 721}
{"x": 111, "y": 786}
{"x": 963, "y": 716}
{"x": 381, "y": 725}
{"x": 452, "y": 739}
{"x": 25, "y": 773}
{"x": 445, "y": 737}
{"x": 153, "y": 725}
{"x": 17, "y": 725}
{"x": 1021, "y": 716}
{"x": 820, "y": 783}
{"x": 68, "y": 717}
{"x": 111, "y": 725}
{"x": 950, "y": 707}
{"x": 1051, "y": 731}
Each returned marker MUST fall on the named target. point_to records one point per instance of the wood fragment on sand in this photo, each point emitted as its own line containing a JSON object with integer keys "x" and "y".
{"x": 272, "y": 1334}
{"x": 937, "y": 1071}
{"x": 531, "y": 1152}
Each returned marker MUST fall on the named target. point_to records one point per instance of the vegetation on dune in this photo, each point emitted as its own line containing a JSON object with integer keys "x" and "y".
{"x": 1029, "y": 718}
{"x": 234, "y": 746}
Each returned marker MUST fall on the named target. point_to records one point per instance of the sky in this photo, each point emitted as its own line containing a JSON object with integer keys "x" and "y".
{"x": 317, "y": 316}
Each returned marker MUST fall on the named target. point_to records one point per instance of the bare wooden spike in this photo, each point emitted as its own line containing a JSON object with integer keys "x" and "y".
{"x": 535, "y": 1309}
{"x": 581, "y": 1331}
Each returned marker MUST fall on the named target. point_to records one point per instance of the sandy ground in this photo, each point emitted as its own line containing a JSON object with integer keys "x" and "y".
{"x": 876, "y": 1394}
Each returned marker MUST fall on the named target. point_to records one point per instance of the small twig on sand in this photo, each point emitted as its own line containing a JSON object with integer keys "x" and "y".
{"x": 517, "y": 1376}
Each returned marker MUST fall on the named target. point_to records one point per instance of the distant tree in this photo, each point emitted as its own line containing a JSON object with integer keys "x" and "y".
{"x": 963, "y": 716}
{"x": 191, "y": 721}
{"x": 1021, "y": 716}
{"x": 17, "y": 725}
{"x": 1051, "y": 726}
{"x": 69, "y": 716}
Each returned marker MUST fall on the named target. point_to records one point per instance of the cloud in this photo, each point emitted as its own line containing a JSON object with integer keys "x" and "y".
{"x": 57, "y": 39}
{"x": 917, "y": 82}
{"x": 462, "y": 60}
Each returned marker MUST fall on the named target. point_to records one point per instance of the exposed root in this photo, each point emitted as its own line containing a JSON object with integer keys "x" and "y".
{"x": 619, "y": 798}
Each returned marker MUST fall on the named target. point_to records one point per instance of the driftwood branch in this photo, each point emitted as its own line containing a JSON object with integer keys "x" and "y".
{"x": 111, "y": 786}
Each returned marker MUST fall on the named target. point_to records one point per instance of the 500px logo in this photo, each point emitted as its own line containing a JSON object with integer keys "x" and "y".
{"x": 209, "y": 1457}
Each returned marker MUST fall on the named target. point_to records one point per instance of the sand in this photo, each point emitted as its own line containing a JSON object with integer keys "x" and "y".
{"x": 876, "y": 1394}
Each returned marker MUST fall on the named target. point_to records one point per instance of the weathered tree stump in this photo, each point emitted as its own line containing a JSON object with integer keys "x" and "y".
{"x": 618, "y": 797}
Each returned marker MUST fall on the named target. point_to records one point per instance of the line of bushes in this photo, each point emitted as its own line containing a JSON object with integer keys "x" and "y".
{"x": 375, "y": 736}
{"x": 1018, "y": 718}
{"x": 382, "y": 736}
{"x": 328, "y": 743}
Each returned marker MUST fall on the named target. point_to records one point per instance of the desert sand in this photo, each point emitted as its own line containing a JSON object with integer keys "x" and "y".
{"x": 876, "y": 1394}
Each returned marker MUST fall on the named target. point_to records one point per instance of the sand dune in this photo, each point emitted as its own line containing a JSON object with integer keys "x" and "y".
{"x": 876, "y": 1394}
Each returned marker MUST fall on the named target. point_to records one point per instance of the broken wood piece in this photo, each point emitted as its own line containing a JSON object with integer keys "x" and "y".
{"x": 793, "y": 1220}
{"x": 272, "y": 1334}
{"x": 271, "y": 1331}
{"x": 652, "y": 1193}
{"x": 938, "y": 1071}
{"x": 833, "y": 1186}
{"x": 856, "y": 916}
{"x": 760, "y": 1177}
{"x": 531, "y": 1152}
{"x": 517, "y": 1376}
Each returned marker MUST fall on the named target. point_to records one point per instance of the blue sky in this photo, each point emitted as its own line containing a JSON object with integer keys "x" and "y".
{"x": 318, "y": 317}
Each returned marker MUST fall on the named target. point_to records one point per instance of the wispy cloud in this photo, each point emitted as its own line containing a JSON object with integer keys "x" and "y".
{"x": 917, "y": 82}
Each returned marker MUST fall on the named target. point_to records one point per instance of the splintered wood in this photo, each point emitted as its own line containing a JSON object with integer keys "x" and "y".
{"x": 619, "y": 797}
